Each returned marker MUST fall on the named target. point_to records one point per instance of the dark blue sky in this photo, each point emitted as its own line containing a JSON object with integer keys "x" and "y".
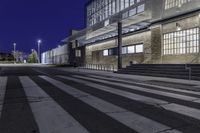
{"x": 24, "y": 21}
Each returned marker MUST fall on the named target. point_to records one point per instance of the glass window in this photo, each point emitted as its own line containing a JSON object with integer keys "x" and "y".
{"x": 139, "y": 48}
{"x": 100, "y": 10}
{"x": 105, "y": 52}
{"x": 125, "y": 15}
{"x": 122, "y": 5}
{"x": 132, "y": 12}
{"x": 126, "y": 3}
{"x": 124, "y": 50}
{"x": 175, "y": 3}
{"x": 181, "y": 42}
{"x": 131, "y": 49}
{"x": 132, "y": 2}
{"x": 78, "y": 53}
{"x": 140, "y": 8}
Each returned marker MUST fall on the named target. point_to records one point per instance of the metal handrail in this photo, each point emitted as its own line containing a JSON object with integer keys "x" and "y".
{"x": 190, "y": 71}
{"x": 101, "y": 67}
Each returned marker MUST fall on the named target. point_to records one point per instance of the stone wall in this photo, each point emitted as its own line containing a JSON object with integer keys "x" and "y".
{"x": 94, "y": 53}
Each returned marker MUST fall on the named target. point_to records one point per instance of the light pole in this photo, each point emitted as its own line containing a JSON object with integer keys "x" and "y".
{"x": 119, "y": 25}
{"x": 39, "y": 42}
{"x": 14, "y": 52}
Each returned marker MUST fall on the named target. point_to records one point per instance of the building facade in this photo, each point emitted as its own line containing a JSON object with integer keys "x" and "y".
{"x": 153, "y": 31}
{"x": 56, "y": 56}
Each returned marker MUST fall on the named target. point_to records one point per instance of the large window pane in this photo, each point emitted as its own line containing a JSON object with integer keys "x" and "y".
{"x": 182, "y": 42}
{"x": 139, "y": 48}
{"x": 105, "y": 52}
{"x": 140, "y": 8}
{"x": 131, "y": 49}
{"x": 124, "y": 50}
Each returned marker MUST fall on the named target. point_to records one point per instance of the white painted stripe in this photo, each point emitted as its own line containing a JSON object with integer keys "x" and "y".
{"x": 147, "y": 100}
{"x": 150, "y": 85}
{"x": 130, "y": 119}
{"x": 175, "y": 108}
{"x": 3, "y": 83}
{"x": 191, "y": 112}
{"x": 50, "y": 117}
{"x": 132, "y": 87}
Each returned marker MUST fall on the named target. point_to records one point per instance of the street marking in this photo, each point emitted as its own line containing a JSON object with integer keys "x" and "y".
{"x": 50, "y": 117}
{"x": 147, "y": 100}
{"x": 157, "y": 86}
{"x": 194, "y": 113}
{"x": 139, "y": 123}
{"x": 132, "y": 87}
{"x": 3, "y": 83}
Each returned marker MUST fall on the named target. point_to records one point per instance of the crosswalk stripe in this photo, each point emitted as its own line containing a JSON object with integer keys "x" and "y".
{"x": 191, "y": 112}
{"x": 150, "y": 85}
{"x": 147, "y": 100}
{"x": 3, "y": 83}
{"x": 130, "y": 119}
{"x": 168, "y": 94}
{"x": 50, "y": 117}
{"x": 194, "y": 113}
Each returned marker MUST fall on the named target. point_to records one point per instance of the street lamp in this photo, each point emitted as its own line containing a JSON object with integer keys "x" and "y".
{"x": 14, "y": 52}
{"x": 39, "y": 42}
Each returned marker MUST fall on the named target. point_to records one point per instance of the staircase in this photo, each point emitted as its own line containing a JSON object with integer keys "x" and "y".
{"x": 179, "y": 71}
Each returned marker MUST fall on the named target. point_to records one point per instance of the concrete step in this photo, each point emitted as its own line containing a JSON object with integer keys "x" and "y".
{"x": 158, "y": 69}
{"x": 162, "y": 70}
{"x": 157, "y": 75}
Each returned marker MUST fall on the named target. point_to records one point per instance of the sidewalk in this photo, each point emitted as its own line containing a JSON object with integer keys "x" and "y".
{"x": 25, "y": 65}
{"x": 132, "y": 77}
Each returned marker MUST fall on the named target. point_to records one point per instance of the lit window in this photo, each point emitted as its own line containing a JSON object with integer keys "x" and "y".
{"x": 175, "y": 3}
{"x": 140, "y": 8}
{"x": 126, "y": 3}
{"x": 125, "y": 15}
{"x": 181, "y": 42}
{"x": 131, "y": 49}
{"x": 124, "y": 50}
{"x": 139, "y": 48}
{"x": 132, "y": 12}
{"x": 78, "y": 53}
{"x": 122, "y": 5}
{"x": 105, "y": 52}
{"x": 132, "y": 2}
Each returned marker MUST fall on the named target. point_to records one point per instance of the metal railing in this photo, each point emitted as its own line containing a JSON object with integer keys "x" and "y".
{"x": 189, "y": 68}
{"x": 100, "y": 67}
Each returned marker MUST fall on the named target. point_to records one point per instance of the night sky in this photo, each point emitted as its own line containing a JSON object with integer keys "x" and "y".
{"x": 25, "y": 21}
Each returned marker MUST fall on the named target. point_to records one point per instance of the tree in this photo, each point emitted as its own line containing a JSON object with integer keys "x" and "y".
{"x": 19, "y": 56}
{"x": 33, "y": 57}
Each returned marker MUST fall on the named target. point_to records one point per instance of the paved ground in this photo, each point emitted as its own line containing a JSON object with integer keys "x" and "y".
{"x": 65, "y": 100}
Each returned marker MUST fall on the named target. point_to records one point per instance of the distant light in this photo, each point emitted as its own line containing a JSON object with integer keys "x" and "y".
{"x": 178, "y": 27}
{"x": 132, "y": 29}
{"x": 14, "y": 44}
{"x": 39, "y": 41}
